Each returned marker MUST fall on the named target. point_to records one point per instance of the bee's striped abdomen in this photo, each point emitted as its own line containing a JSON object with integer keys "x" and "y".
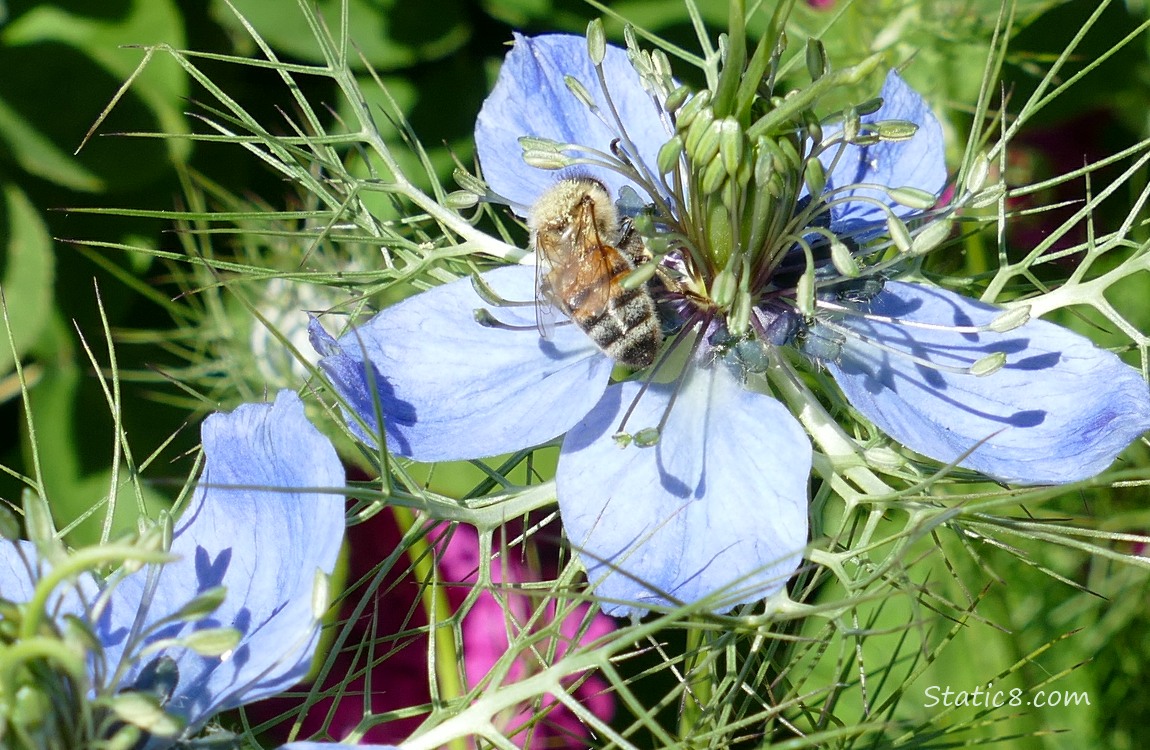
{"x": 626, "y": 329}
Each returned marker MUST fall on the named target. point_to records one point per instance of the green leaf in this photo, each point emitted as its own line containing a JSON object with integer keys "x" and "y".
{"x": 390, "y": 34}
{"x": 81, "y": 56}
{"x": 29, "y": 270}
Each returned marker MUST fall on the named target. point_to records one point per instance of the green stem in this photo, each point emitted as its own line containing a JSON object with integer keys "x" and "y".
{"x": 790, "y": 107}
{"x": 447, "y": 686}
{"x": 698, "y": 690}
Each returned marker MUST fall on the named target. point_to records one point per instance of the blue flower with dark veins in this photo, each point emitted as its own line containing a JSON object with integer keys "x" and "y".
{"x": 265, "y": 519}
{"x": 690, "y": 481}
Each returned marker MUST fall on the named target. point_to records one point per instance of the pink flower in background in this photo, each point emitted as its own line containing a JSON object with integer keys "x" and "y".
{"x": 494, "y": 616}
{"x": 401, "y": 680}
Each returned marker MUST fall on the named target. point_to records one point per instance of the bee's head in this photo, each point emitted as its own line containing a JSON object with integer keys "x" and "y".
{"x": 574, "y": 205}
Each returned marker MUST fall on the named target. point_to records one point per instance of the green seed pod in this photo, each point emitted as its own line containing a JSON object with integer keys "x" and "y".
{"x": 929, "y": 237}
{"x": 815, "y": 175}
{"x": 696, "y": 104}
{"x": 912, "y": 197}
{"x": 1011, "y": 319}
{"x": 576, "y": 87}
{"x": 707, "y": 147}
{"x": 668, "y": 158}
{"x": 731, "y": 144}
{"x": 460, "y": 199}
{"x": 817, "y": 62}
{"x": 976, "y": 177}
{"x": 547, "y": 159}
{"x": 851, "y": 124}
{"x": 895, "y": 130}
{"x": 640, "y": 276}
{"x": 596, "y": 41}
{"x": 698, "y": 130}
{"x": 989, "y": 364}
{"x": 870, "y": 106}
{"x": 714, "y": 176}
{"x": 647, "y": 437}
{"x": 844, "y": 260}
{"x": 723, "y": 288}
{"x": 899, "y": 234}
{"x": 740, "y": 318}
{"x": 676, "y": 99}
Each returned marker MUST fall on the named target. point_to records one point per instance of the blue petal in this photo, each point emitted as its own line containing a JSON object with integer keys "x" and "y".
{"x": 1059, "y": 411}
{"x": 919, "y": 162}
{"x": 21, "y": 567}
{"x": 717, "y": 508}
{"x": 453, "y": 389}
{"x": 531, "y": 99}
{"x": 248, "y": 531}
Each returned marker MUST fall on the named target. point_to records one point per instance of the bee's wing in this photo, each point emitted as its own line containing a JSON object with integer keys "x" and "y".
{"x": 545, "y": 311}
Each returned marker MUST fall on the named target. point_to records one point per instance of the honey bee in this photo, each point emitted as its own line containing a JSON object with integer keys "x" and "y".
{"x": 577, "y": 233}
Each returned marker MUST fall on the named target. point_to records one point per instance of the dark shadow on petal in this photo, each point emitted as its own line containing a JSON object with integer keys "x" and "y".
{"x": 361, "y": 389}
{"x": 210, "y": 573}
{"x": 675, "y": 486}
{"x": 597, "y": 423}
{"x": 1037, "y": 362}
{"x": 1031, "y": 418}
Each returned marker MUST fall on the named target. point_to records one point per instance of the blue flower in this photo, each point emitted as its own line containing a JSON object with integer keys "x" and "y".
{"x": 246, "y": 529}
{"x": 1058, "y": 410}
{"x": 716, "y": 507}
